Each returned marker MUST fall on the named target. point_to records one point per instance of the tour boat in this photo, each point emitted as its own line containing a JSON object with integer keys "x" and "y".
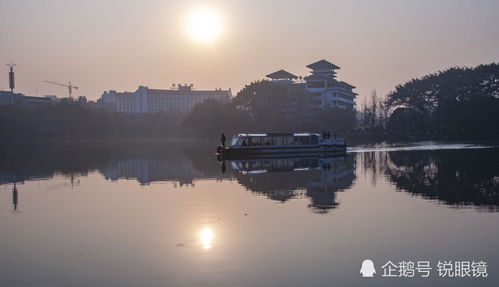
{"x": 281, "y": 144}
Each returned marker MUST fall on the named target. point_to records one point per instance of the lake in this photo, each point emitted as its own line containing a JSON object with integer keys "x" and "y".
{"x": 170, "y": 214}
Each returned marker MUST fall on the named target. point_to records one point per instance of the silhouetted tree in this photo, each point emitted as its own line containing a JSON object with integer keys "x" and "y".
{"x": 459, "y": 102}
{"x": 266, "y": 102}
{"x": 265, "y": 106}
{"x": 76, "y": 120}
{"x": 212, "y": 117}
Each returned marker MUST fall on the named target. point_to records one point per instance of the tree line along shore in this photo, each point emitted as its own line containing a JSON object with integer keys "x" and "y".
{"x": 458, "y": 103}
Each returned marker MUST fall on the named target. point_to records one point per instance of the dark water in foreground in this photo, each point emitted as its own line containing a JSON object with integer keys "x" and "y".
{"x": 166, "y": 215}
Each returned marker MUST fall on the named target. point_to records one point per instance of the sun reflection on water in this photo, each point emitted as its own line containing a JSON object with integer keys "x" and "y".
{"x": 206, "y": 237}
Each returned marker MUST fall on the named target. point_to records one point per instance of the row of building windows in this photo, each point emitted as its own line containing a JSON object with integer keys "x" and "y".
{"x": 130, "y": 104}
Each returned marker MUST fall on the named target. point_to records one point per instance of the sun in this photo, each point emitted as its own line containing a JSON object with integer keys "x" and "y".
{"x": 204, "y": 25}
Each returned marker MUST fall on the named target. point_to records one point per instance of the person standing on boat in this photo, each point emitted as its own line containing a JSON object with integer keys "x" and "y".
{"x": 222, "y": 139}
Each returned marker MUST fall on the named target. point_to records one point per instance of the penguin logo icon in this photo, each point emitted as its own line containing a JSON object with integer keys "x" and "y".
{"x": 367, "y": 269}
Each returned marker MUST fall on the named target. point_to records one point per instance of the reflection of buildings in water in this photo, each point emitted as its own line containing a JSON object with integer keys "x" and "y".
{"x": 279, "y": 179}
{"x": 13, "y": 179}
{"x": 15, "y": 197}
{"x": 73, "y": 177}
{"x": 282, "y": 179}
{"x": 6, "y": 177}
{"x": 146, "y": 171}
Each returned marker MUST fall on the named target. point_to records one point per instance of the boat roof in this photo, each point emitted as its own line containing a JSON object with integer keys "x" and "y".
{"x": 278, "y": 134}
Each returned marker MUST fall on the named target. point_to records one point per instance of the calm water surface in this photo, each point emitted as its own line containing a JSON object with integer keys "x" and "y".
{"x": 169, "y": 215}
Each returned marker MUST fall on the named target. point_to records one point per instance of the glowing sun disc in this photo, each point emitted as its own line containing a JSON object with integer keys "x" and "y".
{"x": 204, "y": 25}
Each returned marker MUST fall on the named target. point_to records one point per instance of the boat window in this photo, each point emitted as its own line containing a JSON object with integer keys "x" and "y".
{"x": 268, "y": 141}
{"x": 246, "y": 142}
{"x": 302, "y": 140}
{"x": 256, "y": 140}
{"x": 314, "y": 139}
{"x": 278, "y": 140}
{"x": 314, "y": 163}
{"x": 234, "y": 141}
{"x": 282, "y": 140}
{"x": 304, "y": 163}
{"x": 240, "y": 141}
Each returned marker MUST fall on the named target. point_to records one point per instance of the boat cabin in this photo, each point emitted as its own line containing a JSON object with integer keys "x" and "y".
{"x": 278, "y": 139}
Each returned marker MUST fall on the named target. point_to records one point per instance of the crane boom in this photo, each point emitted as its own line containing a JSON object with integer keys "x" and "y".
{"x": 56, "y": 83}
{"x": 69, "y": 86}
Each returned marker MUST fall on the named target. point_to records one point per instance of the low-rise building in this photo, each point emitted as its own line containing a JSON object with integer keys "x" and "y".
{"x": 10, "y": 98}
{"x": 53, "y": 98}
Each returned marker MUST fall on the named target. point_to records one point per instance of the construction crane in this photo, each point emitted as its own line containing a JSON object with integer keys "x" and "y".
{"x": 69, "y": 86}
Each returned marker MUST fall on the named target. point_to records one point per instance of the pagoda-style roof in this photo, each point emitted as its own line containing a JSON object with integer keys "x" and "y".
{"x": 347, "y": 85}
{"x": 318, "y": 77}
{"x": 281, "y": 74}
{"x": 323, "y": 65}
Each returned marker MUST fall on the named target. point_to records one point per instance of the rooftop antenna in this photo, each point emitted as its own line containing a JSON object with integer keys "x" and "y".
{"x": 11, "y": 76}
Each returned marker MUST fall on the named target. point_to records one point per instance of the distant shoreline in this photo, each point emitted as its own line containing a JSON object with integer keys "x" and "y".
{"x": 352, "y": 139}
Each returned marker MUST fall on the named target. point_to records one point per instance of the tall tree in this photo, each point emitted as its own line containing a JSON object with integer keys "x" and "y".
{"x": 459, "y": 101}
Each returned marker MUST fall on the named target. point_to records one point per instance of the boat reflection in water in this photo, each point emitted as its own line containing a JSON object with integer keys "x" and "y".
{"x": 281, "y": 179}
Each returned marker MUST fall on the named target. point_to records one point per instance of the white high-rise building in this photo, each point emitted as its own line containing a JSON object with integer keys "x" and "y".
{"x": 176, "y": 101}
{"x": 322, "y": 86}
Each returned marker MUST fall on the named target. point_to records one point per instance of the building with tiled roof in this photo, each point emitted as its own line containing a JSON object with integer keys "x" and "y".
{"x": 281, "y": 75}
{"x": 322, "y": 87}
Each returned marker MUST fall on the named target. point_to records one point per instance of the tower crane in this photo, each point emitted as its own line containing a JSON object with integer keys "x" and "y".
{"x": 69, "y": 86}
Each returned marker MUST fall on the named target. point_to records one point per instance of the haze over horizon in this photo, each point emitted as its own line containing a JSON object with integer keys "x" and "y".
{"x": 119, "y": 45}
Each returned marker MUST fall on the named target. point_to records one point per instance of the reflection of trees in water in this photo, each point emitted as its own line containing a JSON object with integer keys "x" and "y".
{"x": 283, "y": 179}
{"x": 455, "y": 177}
{"x": 375, "y": 162}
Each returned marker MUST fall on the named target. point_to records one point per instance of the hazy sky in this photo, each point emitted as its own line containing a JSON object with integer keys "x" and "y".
{"x": 120, "y": 44}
